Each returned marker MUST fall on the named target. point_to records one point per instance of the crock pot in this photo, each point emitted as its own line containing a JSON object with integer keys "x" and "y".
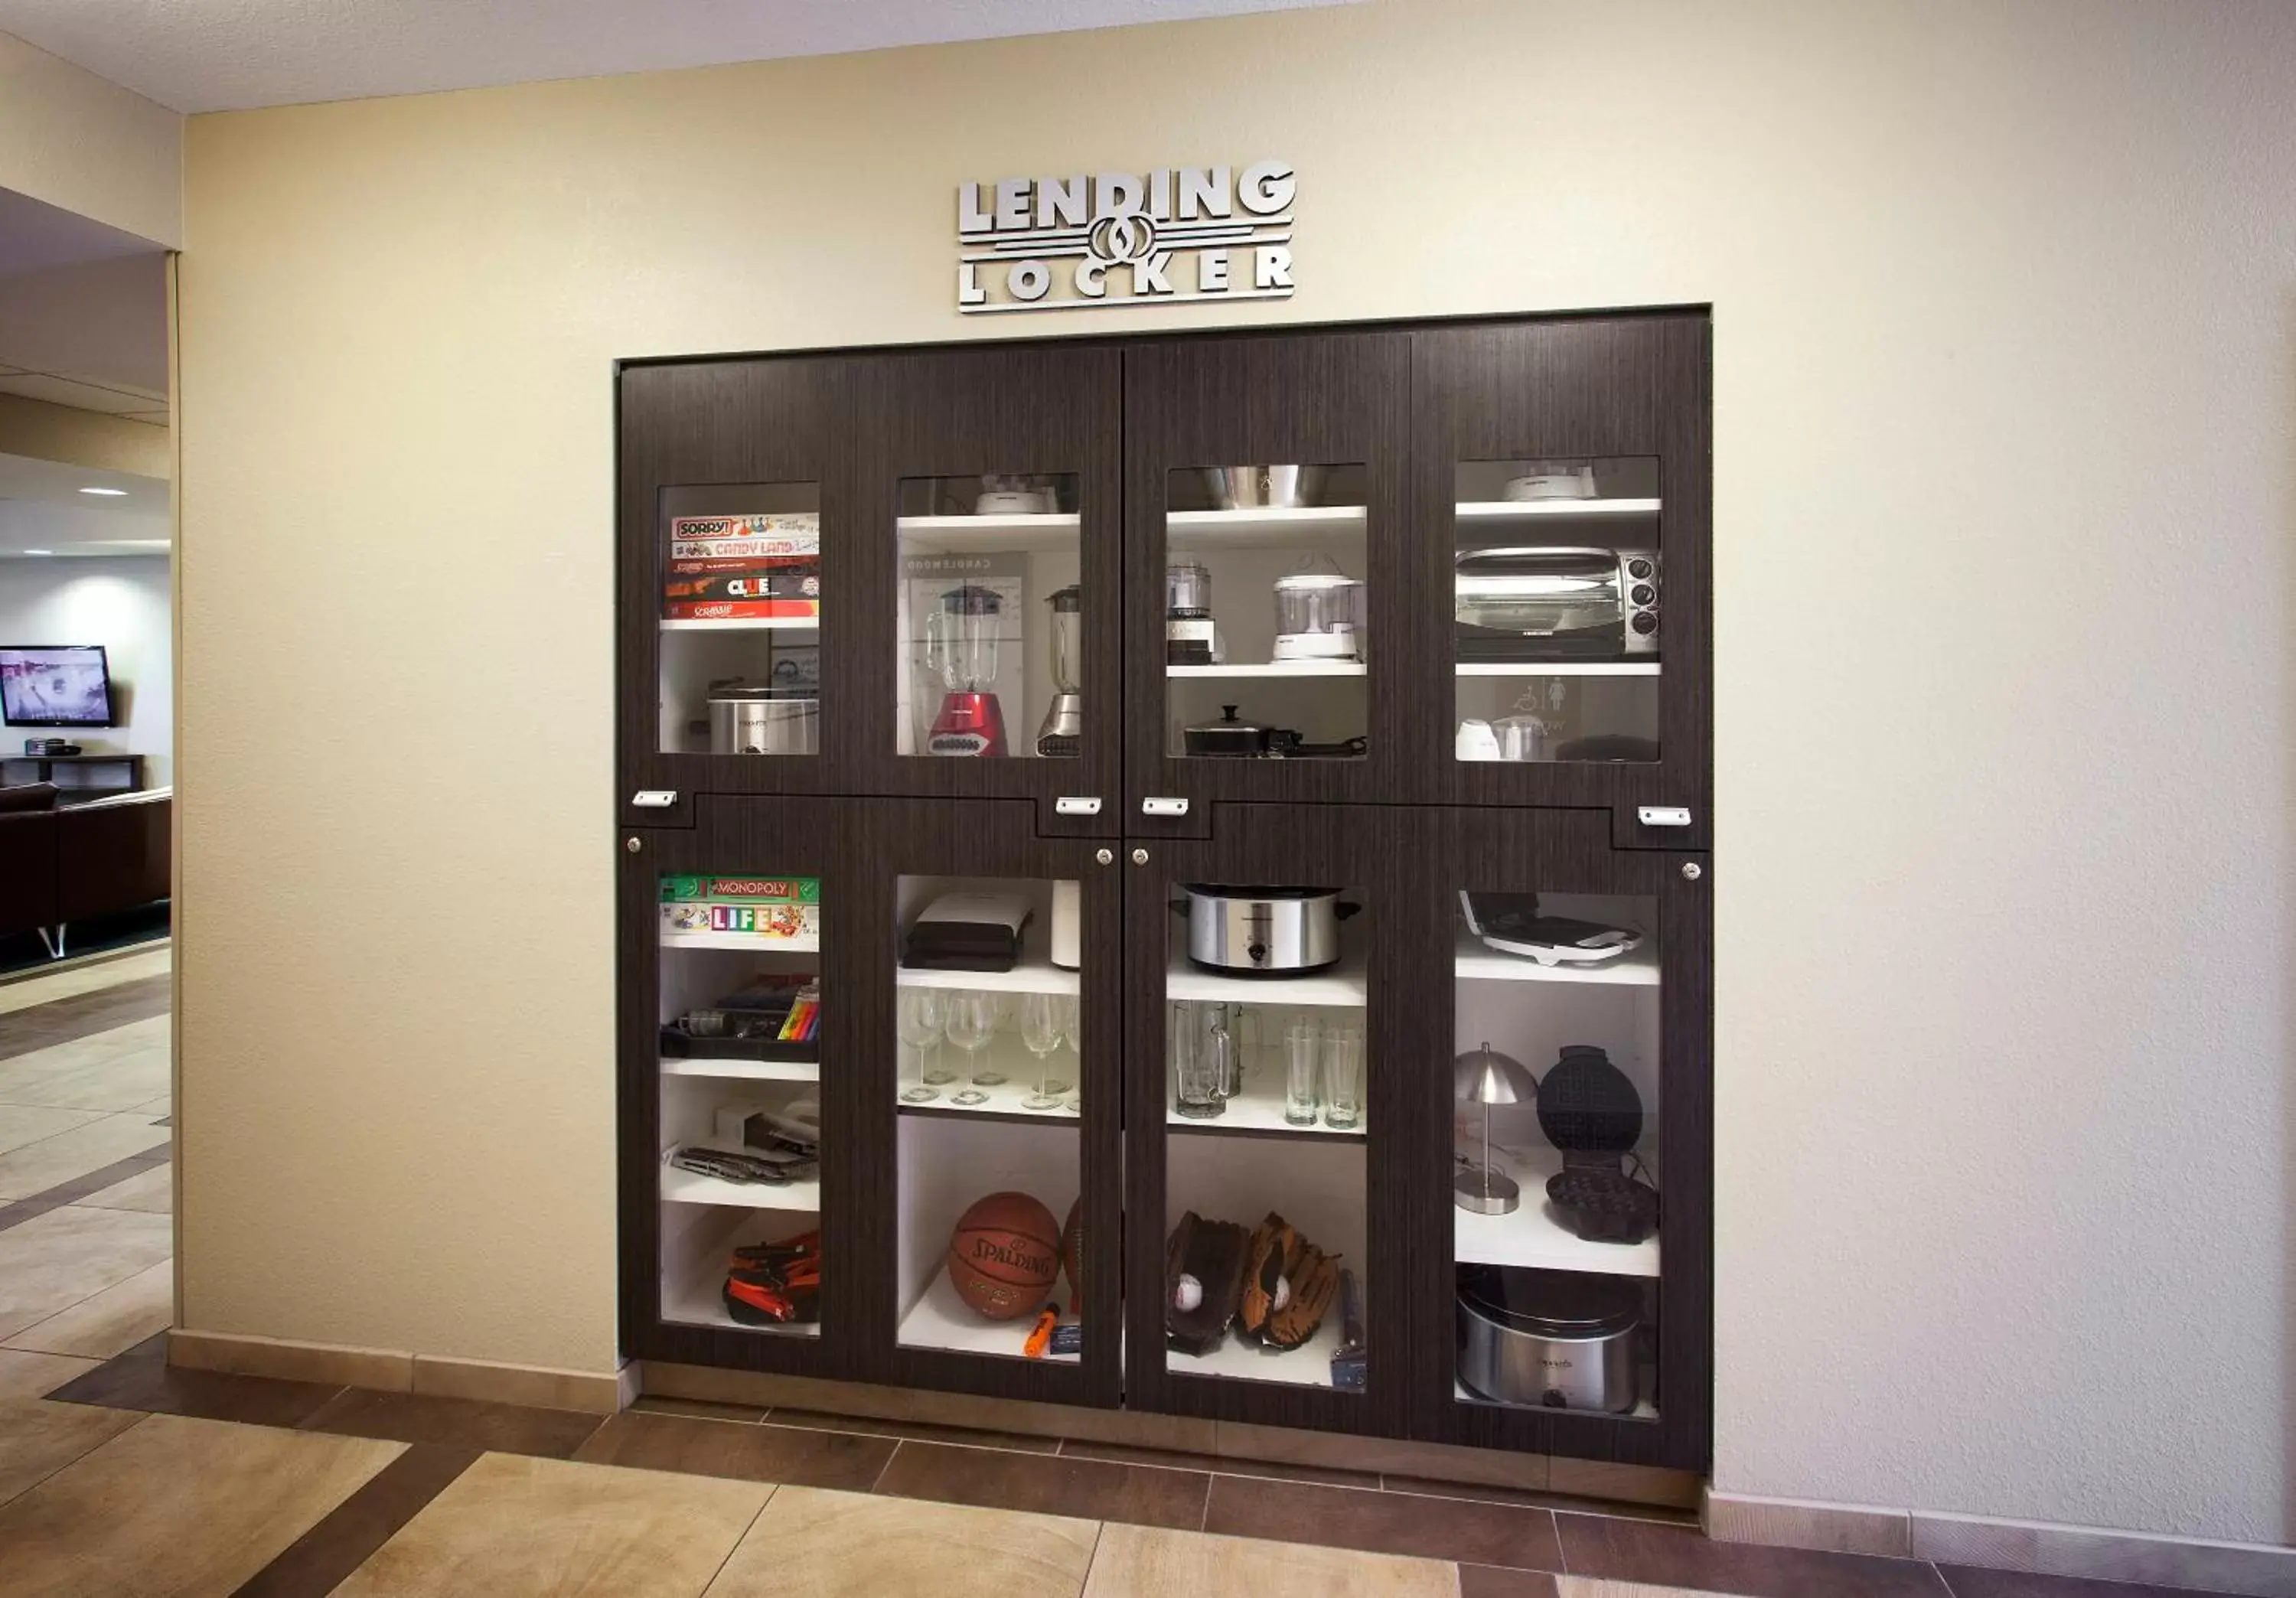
{"x": 765, "y": 721}
{"x": 1549, "y": 1339}
{"x": 1264, "y": 932}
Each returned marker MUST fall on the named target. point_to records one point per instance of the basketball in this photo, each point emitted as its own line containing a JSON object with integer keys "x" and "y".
{"x": 1072, "y": 1251}
{"x": 1003, "y": 1255}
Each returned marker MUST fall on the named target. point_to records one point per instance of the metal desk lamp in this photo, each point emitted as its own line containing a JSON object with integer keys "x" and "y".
{"x": 1485, "y": 1077}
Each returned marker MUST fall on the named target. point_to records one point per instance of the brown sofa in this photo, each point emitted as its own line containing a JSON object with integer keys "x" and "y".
{"x": 61, "y": 863}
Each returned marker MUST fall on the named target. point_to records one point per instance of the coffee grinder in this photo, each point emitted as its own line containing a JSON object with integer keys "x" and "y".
{"x": 962, "y": 640}
{"x": 1189, "y": 635}
{"x": 1063, "y": 732}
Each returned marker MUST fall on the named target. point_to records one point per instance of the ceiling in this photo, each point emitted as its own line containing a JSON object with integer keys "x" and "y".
{"x": 204, "y": 55}
{"x": 42, "y": 507}
{"x": 83, "y": 313}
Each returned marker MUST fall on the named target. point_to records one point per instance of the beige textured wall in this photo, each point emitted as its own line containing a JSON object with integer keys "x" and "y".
{"x": 85, "y": 144}
{"x": 2005, "y": 372}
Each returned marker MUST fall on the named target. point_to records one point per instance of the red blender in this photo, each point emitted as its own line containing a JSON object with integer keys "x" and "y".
{"x": 962, "y": 640}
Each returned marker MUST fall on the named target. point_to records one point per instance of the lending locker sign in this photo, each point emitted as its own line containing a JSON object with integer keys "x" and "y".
{"x": 1125, "y": 238}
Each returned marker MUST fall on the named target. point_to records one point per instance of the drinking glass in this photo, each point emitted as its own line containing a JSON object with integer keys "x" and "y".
{"x": 919, "y": 1021}
{"x": 1202, "y": 1058}
{"x": 1040, "y": 1030}
{"x": 1343, "y": 1076}
{"x": 971, "y": 1023}
{"x": 1302, "y": 1050}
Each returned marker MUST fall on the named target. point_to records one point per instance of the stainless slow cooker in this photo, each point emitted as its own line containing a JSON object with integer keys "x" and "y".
{"x": 764, "y": 721}
{"x": 1549, "y": 1339}
{"x": 1264, "y": 932}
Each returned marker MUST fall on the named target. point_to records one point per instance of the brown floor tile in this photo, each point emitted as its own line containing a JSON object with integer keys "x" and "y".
{"x": 1088, "y": 1490}
{"x": 456, "y": 1422}
{"x": 1135, "y": 1562}
{"x": 1561, "y": 1503}
{"x": 142, "y": 1379}
{"x": 819, "y": 1544}
{"x": 963, "y": 1437}
{"x": 700, "y": 1409}
{"x": 1968, "y": 1581}
{"x": 318, "y": 1561}
{"x": 1218, "y": 1464}
{"x": 1484, "y": 1533}
{"x": 1676, "y": 1556}
{"x": 1490, "y": 1581}
{"x": 803, "y": 1458}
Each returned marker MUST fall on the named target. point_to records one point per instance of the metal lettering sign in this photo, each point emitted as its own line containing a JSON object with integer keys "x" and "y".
{"x": 1119, "y": 238}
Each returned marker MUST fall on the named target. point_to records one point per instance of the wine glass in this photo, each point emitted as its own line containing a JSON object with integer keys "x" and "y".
{"x": 1072, "y": 1029}
{"x": 1040, "y": 1030}
{"x": 998, "y": 1008}
{"x": 972, "y": 1022}
{"x": 918, "y": 1020}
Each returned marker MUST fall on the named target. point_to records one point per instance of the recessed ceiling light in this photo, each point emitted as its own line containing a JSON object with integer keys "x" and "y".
{"x": 107, "y": 492}
{"x": 40, "y": 551}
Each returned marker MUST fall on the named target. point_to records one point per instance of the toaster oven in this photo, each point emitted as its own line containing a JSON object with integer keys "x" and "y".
{"x": 1556, "y": 604}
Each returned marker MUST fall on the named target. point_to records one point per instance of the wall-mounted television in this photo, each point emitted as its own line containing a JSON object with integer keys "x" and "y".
{"x": 55, "y": 685}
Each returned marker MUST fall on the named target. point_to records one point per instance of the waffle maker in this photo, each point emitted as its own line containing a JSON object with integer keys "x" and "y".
{"x": 1510, "y": 924}
{"x": 1589, "y": 1109}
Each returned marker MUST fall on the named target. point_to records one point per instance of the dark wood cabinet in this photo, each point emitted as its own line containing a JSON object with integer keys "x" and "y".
{"x": 1426, "y": 549}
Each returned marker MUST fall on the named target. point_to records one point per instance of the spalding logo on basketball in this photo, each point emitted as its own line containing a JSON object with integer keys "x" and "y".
{"x": 1003, "y": 1255}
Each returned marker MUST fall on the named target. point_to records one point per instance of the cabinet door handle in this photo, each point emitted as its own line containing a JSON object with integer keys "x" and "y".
{"x": 653, "y": 798}
{"x": 1071, "y": 804}
{"x": 1163, "y": 807}
{"x": 1663, "y": 816}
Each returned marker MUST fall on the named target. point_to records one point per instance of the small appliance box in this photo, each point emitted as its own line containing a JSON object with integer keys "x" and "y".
{"x": 758, "y": 566}
{"x": 771, "y": 909}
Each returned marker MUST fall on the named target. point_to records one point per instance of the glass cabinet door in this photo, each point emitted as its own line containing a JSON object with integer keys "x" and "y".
{"x": 741, "y": 1011}
{"x": 741, "y": 620}
{"x": 1267, "y": 570}
{"x": 994, "y": 1184}
{"x": 1262, "y": 1088}
{"x": 1563, "y": 472}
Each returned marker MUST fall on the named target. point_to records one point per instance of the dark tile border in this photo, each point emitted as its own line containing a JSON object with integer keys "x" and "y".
{"x": 452, "y": 1423}
{"x": 142, "y": 1379}
{"x": 340, "y": 1540}
{"x": 1510, "y": 1535}
{"x": 80, "y": 1015}
{"x": 796, "y": 1456}
{"x": 1047, "y": 1484}
{"x": 1673, "y": 1556}
{"x": 88, "y": 1185}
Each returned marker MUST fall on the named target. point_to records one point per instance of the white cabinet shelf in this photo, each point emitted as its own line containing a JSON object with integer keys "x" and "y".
{"x": 691, "y": 1187}
{"x": 970, "y": 535}
{"x": 1003, "y": 1100}
{"x": 743, "y": 624}
{"x": 1557, "y": 668}
{"x": 1273, "y": 668}
{"x": 754, "y": 1071}
{"x": 1500, "y": 511}
{"x": 939, "y": 1319}
{"x": 807, "y": 945}
{"x": 1302, "y": 527}
{"x": 1533, "y": 1236}
{"x": 1029, "y": 976}
{"x": 1345, "y": 984}
{"x": 1307, "y": 1365}
{"x": 1475, "y": 961}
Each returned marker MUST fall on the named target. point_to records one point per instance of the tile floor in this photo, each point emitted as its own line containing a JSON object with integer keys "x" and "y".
{"x": 119, "y": 1473}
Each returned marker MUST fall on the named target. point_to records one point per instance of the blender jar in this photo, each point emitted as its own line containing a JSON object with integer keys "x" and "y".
{"x": 964, "y": 636}
{"x": 1318, "y": 616}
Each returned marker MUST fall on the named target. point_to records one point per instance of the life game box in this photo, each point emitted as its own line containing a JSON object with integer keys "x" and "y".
{"x": 727, "y": 568}
{"x": 771, "y": 909}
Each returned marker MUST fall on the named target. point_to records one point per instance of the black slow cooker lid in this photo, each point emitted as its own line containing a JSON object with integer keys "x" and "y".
{"x": 1551, "y": 1303}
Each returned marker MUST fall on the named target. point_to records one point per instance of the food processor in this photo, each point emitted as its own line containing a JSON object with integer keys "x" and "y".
{"x": 1318, "y": 616}
{"x": 1188, "y": 630}
{"x": 1063, "y": 730}
{"x": 963, "y": 639}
